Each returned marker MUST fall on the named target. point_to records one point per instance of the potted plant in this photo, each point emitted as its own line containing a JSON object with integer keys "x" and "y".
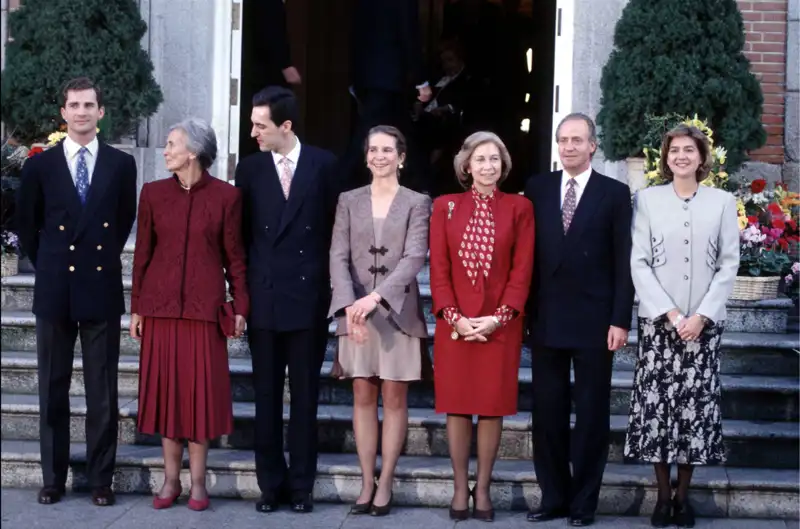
{"x": 654, "y": 72}
{"x": 769, "y": 239}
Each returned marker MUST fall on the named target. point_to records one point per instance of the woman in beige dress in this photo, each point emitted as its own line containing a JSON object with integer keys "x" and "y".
{"x": 379, "y": 244}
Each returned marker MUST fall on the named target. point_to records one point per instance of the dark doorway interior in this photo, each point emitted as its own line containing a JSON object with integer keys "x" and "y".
{"x": 493, "y": 38}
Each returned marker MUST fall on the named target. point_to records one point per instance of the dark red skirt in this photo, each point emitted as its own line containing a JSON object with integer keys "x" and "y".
{"x": 184, "y": 380}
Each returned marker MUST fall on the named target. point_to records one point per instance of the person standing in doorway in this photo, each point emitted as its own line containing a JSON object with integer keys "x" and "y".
{"x": 289, "y": 202}
{"x": 580, "y": 311}
{"x": 387, "y": 70}
{"x": 76, "y": 208}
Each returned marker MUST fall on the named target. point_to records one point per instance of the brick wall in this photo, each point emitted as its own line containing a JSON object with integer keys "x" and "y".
{"x": 765, "y": 46}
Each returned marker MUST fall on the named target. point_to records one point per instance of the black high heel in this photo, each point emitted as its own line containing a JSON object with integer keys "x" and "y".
{"x": 382, "y": 510}
{"x": 484, "y": 515}
{"x": 364, "y": 508}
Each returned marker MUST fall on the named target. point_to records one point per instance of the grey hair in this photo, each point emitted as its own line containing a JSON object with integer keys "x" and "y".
{"x": 201, "y": 140}
{"x": 473, "y": 141}
{"x": 580, "y": 116}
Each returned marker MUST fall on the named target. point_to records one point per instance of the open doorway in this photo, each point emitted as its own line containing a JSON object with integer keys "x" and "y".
{"x": 506, "y": 46}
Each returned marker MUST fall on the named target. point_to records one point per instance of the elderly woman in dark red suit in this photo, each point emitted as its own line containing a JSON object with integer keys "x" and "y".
{"x": 188, "y": 240}
{"x": 481, "y": 262}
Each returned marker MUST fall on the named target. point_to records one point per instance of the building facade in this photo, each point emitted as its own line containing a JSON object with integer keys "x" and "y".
{"x": 196, "y": 50}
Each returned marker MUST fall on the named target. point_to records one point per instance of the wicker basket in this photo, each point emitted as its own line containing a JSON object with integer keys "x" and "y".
{"x": 755, "y": 288}
{"x": 9, "y": 265}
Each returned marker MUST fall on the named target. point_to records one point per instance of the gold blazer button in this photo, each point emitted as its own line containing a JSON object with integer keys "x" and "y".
{"x": 99, "y": 268}
{"x": 71, "y": 268}
{"x": 71, "y": 248}
{"x": 61, "y": 227}
{"x": 99, "y": 246}
{"x": 105, "y": 224}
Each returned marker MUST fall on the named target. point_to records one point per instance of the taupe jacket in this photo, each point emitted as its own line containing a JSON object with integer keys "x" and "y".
{"x": 685, "y": 254}
{"x": 358, "y": 267}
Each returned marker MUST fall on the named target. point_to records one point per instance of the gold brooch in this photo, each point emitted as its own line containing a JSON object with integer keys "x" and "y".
{"x": 450, "y": 207}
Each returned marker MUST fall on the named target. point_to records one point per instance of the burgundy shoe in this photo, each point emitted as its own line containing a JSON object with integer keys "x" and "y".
{"x": 198, "y": 505}
{"x": 166, "y": 503}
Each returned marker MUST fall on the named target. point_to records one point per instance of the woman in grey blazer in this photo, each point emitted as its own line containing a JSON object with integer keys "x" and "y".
{"x": 380, "y": 240}
{"x": 684, "y": 261}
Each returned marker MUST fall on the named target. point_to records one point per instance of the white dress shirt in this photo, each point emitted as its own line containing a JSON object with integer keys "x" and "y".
{"x": 581, "y": 180}
{"x": 293, "y": 156}
{"x": 71, "y": 149}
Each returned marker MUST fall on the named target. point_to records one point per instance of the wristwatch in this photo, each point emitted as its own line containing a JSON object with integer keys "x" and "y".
{"x": 496, "y": 321}
{"x": 454, "y": 335}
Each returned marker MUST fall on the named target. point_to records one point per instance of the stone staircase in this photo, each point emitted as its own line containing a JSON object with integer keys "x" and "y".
{"x": 759, "y": 367}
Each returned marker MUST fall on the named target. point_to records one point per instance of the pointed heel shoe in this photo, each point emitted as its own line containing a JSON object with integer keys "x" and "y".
{"x": 484, "y": 515}
{"x": 165, "y": 503}
{"x": 382, "y": 510}
{"x": 364, "y": 508}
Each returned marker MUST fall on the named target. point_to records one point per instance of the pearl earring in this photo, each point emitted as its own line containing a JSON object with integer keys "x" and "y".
{"x": 400, "y": 166}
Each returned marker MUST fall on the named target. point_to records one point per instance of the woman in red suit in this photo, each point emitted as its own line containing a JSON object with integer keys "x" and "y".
{"x": 188, "y": 240}
{"x": 481, "y": 264}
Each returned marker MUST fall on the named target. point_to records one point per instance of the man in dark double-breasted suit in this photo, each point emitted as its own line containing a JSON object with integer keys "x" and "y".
{"x": 76, "y": 207}
{"x": 289, "y": 201}
{"x": 579, "y": 313}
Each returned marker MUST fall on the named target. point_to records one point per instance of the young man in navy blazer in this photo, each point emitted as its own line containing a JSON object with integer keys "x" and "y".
{"x": 289, "y": 202}
{"x": 76, "y": 207}
{"x": 579, "y": 313}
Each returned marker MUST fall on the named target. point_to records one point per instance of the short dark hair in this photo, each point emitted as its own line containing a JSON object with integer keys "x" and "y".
{"x": 700, "y": 141}
{"x": 77, "y": 85}
{"x": 394, "y": 132}
{"x": 281, "y": 102}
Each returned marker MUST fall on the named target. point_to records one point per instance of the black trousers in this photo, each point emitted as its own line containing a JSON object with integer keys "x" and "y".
{"x": 55, "y": 346}
{"x": 554, "y": 446}
{"x": 303, "y": 352}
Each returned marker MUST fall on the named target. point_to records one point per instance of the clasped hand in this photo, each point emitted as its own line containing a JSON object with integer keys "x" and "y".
{"x": 476, "y": 329}
{"x": 357, "y": 314}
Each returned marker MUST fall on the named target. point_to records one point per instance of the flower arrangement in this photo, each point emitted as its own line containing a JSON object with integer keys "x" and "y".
{"x": 659, "y": 125}
{"x": 768, "y": 229}
{"x": 9, "y": 243}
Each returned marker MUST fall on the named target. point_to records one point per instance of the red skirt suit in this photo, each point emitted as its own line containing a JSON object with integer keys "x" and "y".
{"x": 186, "y": 245}
{"x": 474, "y": 378}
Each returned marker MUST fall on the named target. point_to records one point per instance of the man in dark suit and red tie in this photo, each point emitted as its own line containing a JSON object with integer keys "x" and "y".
{"x": 76, "y": 208}
{"x": 289, "y": 202}
{"x": 579, "y": 313}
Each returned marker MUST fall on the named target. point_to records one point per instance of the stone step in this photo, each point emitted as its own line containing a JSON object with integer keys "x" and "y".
{"x": 428, "y": 481}
{"x": 759, "y": 444}
{"x": 744, "y": 397}
{"x": 768, "y": 316}
{"x": 742, "y": 353}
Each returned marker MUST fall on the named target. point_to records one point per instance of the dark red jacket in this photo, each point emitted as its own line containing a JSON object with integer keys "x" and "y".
{"x": 187, "y": 243}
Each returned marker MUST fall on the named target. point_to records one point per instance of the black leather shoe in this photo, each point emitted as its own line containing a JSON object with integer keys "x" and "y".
{"x": 103, "y": 497}
{"x": 545, "y": 515}
{"x": 267, "y": 503}
{"x": 682, "y": 513}
{"x": 49, "y": 495}
{"x": 662, "y": 514}
{"x": 364, "y": 508}
{"x": 382, "y": 510}
{"x": 581, "y": 521}
{"x": 302, "y": 503}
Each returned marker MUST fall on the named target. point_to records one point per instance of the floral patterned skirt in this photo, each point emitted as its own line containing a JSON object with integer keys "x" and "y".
{"x": 675, "y": 405}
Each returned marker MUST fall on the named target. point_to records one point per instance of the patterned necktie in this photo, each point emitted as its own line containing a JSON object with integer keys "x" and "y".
{"x": 82, "y": 175}
{"x": 286, "y": 177}
{"x": 570, "y": 203}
